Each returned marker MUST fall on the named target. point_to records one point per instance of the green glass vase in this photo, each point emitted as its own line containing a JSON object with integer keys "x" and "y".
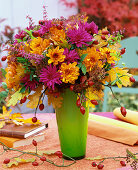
{"x": 72, "y": 126}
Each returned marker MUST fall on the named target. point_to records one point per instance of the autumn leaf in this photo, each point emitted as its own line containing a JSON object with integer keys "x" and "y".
{"x": 2, "y": 123}
{"x": 6, "y": 113}
{"x": 14, "y": 98}
{"x": 17, "y": 162}
{"x": 17, "y": 123}
{"x": 95, "y": 158}
{"x": 34, "y": 98}
{"x": 42, "y": 152}
{"x": 29, "y": 120}
{"x": 15, "y": 115}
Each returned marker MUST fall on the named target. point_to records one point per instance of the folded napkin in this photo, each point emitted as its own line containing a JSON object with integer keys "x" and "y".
{"x": 131, "y": 116}
{"x": 112, "y": 129}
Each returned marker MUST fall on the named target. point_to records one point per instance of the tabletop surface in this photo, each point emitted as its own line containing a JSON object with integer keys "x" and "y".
{"x": 95, "y": 146}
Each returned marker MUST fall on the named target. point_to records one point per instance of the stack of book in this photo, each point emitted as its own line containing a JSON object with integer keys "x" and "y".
{"x": 15, "y": 136}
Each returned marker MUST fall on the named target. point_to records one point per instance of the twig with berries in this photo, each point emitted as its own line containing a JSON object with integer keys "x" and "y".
{"x": 42, "y": 158}
{"x": 130, "y": 157}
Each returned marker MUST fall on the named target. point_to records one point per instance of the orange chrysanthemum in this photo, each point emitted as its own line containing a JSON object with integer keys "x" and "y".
{"x": 105, "y": 55}
{"x": 69, "y": 72}
{"x": 55, "y": 55}
{"x": 14, "y": 74}
{"x": 38, "y": 45}
{"x": 93, "y": 58}
{"x": 57, "y": 35}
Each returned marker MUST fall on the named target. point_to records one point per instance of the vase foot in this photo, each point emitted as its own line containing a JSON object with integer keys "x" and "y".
{"x": 76, "y": 158}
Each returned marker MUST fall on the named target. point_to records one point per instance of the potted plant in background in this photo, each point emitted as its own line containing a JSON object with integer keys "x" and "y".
{"x": 70, "y": 61}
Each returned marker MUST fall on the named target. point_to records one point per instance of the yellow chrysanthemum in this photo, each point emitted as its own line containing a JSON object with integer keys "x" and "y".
{"x": 55, "y": 55}
{"x": 93, "y": 94}
{"x": 38, "y": 45}
{"x": 105, "y": 55}
{"x": 122, "y": 74}
{"x": 69, "y": 72}
{"x": 92, "y": 58}
{"x": 57, "y": 35}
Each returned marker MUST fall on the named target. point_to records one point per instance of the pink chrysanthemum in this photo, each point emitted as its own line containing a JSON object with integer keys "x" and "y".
{"x": 45, "y": 28}
{"x": 71, "y": 56}
{"x": 91, "y": 28}
{"x": 79, "y": 36}
{"x": 28, "y": 83}
{"x": 49, "y": 76}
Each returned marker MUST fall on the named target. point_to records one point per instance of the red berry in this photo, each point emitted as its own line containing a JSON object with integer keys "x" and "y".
{"x": 61, "y": 22}
{"x": 59, "y": 154}
{"x": 83, "y": 79}
{"x": 41, "y": 106}
{"x": 34, "y": 142}
{"x": 123, "y": 111}
{"x": 22, "y": 36}
{"x": 3, "y": 58}
{"x": 103, "y": 37}
{"x": 43, "y": 158}
{"x": 34, "y": 119}
{"x": 24, "y": 99}
{"x": 41, "y": 22}
{"x": 132, "y": 79}
{"x": 123, "y": 50}
{"x": 19, "y": 54}
{"x": 90, "y": 83}
{"x": 123, "y": 163}
{"x": 94, "y": 164}
{"x": 35, "y": 33}
{"x": 59, "y": 27}
{"x": 82, "y": 110}
{"x": 100, "y": 166}
{"x": 78, "y": 103}
{"x": 56, "y": 95}
{"x": 35, "y": 163}
{"x": 105, "y": 32}
{"x": 6, "y": 161}
{"x": 95, "y": 42}
{"x": 94, "y": 102}
{"x": 71, "y": 87}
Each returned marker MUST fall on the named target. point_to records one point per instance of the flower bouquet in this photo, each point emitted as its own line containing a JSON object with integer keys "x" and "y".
{"x": 71, "y": 62}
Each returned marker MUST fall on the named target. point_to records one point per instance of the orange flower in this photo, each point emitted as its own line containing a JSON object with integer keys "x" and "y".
{"x": 92, "y": 58}
{"x": 55, "y": 55}
{"x": 105, "y": 55}
{"x": 57, "y": 35}
{"x": 69, "y": 72}
{"x": 38, "y": 45}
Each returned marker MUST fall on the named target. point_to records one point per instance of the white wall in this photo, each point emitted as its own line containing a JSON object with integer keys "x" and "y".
{"x": 15, "y": 11}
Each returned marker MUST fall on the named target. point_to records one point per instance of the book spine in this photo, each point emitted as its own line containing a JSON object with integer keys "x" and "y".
{"x": 11, "y": 134}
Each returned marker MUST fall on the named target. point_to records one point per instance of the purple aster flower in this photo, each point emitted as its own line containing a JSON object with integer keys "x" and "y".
{"x": 49, "y": 76}
{"x": 28, "y": 83}
{"x": 45, "y": 28}
{"x": 71, "y": 56}
{"x": 79, "y": 36}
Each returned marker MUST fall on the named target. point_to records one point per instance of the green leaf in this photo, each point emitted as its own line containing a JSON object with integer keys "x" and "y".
{"x": 113, "y": 82}
{"x": 83, "y": 56}
{"x": 22, "y": 89}
{"x": 4, "y": 85}
{"x": 95, "y": 158}
{"x": 119, "y": 81}
{"x": 79, "y": 65}
{"x": 123, "y": 64}
{"x": 19, "y": 40}
{"x": 83, "y": 68}
{"x": 131, "y": 154}
{"x": 30, "y": 33}
{"x": 3, "y": 72}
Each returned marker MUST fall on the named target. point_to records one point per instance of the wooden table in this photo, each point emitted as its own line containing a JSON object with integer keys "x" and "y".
{"x": 95, "y": 146}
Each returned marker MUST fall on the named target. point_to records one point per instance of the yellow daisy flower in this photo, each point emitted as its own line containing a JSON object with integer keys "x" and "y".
{"x": 92, "y": 58}
{"x": 38, "y": 45}
{"x": 69, "y": 72}
{"x": 55, "y": 55}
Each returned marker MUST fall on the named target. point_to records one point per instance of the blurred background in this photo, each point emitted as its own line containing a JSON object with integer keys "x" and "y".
{"x": 115, "y": 14}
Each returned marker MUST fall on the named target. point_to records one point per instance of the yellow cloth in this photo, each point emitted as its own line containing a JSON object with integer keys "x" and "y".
{"x": 131, "y": 116}
{"x": 113, "y": 129}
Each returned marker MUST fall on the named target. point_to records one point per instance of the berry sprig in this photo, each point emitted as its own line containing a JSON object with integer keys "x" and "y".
{"x": 41, "y": 158}
{"x": 128, "y": 157}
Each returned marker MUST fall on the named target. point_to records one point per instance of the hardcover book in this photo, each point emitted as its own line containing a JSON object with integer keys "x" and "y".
{"x": 16, "y": 142}
{"x": 24, "y": 131}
